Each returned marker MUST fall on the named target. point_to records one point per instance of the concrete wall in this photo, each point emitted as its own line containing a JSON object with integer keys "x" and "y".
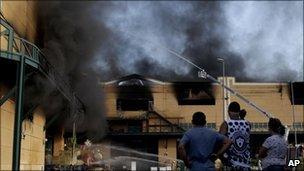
{"x": 165, "y": 102}
{"x": 58, "y": 145}
{"x": 22, "y": 15}
{"x": 32, "y": 143}
{"x": 167, "y": 148}
{"x": 272, "y": 97}
{"x": 3, "y": 41}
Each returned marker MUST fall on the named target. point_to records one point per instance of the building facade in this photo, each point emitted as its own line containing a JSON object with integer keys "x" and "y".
{"x": 21, "y": 15}
{"x": 151, "y": 115}
{"x": 144, "y": 114}
{"x": 20, "y": 62}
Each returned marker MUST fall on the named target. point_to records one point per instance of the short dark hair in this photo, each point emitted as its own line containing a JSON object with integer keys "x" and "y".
{"x": 242, "y": 113}
{"x": 199, "y": 118}
{"x": 275, "y": 125}
{"x": 234, "y": 107}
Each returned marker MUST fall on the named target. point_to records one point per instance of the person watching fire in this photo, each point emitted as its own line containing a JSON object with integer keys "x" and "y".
{"x": 274, "y": 149}
{"x": 197, "y": 144}
{"x": 238, "y": 131}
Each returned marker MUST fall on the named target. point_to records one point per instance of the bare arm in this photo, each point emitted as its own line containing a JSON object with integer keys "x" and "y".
{"x": 183, "y": 154}
{"x": 223, "y": 128}
{"x": 263, "y": 152}
{"x": 226, "y": 144}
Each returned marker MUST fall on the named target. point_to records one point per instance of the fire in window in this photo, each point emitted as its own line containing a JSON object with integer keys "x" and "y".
{"x": 192, "y": 93}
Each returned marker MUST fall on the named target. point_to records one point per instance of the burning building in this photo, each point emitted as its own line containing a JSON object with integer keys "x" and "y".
{"x": 38, "y": 104}
{"x": 31, "y": 131}
{"x": 57, "y": 57}
{"x": 151, "y": 115}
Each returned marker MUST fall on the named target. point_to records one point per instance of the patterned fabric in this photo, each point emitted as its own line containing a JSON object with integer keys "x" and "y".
{"x": 277, "y": 150}
{"x": 239, "y": 133}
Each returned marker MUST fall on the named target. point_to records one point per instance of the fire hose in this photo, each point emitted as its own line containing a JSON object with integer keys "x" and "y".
{"x": 203, "y": 74}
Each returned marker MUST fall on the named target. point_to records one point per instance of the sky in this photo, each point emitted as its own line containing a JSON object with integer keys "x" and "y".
{"x": 268, "y": 36}
{"x": 259, "y": 40}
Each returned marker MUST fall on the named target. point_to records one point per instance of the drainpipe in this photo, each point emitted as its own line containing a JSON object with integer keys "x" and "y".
{"x": 18, "y": 114}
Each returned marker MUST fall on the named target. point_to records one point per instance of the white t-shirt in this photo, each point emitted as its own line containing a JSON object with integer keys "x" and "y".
{"x": 277, "y": 151}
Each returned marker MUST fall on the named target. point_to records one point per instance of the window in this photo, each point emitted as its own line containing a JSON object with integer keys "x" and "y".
{"x": 194, "y": 93}
{"x": 134, "y": 94}
{"x": 298, "y": 91}
{"x": 133, "y": 104}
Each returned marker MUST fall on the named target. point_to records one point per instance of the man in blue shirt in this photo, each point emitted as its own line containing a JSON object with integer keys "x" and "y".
{"x": 196, "y": 148}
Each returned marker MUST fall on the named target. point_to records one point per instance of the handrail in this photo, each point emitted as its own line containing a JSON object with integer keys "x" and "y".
{"x": 31, "y": 52}
{"x": 255, "y": 126}
{"x": 31, "y": 49}
{"x": 263, "y": 126}
{"x": 188, "y": 125}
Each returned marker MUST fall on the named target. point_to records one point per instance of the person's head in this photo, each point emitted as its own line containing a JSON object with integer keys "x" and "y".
{"x": 276, "y": 126}
{"x": 234, "y": 110}
{"x": 198, "y": 119}
{"x": 243, "y": 114}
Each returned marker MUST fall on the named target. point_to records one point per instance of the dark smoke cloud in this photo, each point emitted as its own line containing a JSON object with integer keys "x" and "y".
{"x": 201, "y": 31}
{"x": 71, "y": 37}
{"x": 206, "y": 41}
{"x": 141, "y": 32}
{"x": 121, "y": 33}
{"x": 92, "y": 41}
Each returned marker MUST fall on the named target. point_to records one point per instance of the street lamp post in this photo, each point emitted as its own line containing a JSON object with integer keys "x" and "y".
{"x": 222, "y": 61}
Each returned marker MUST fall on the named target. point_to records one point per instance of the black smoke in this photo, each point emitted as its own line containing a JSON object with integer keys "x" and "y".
{"x": 202, "y": 28}
{"x": 96, "y": 41}
{"x": 144, "y": 31}
{"x": 71, "y": 36}
{"x": 121, "y": 38}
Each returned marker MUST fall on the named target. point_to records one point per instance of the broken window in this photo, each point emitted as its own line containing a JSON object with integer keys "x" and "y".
{"x": 298, "y": 91}
{"x": 134, "y": 94}
{"x": 194, "y": 93}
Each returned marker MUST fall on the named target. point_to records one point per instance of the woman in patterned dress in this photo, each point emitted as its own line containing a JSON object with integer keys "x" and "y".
{"x": 274, "y": 149}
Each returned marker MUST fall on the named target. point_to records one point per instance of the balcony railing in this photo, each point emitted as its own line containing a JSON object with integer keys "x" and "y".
{"x": 188, "y": 126}
{"x": 255, "y": 127}
{"x": 263, "y": 126}
{"x": 14, "y": 47}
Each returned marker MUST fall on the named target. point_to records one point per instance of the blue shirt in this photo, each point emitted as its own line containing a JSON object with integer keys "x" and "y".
{"x": 199, "y": 143}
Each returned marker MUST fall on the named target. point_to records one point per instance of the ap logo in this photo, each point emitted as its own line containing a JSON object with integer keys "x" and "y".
{"x": 293, "y": 163}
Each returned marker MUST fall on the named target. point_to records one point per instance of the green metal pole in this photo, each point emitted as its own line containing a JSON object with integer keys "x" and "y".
{"x": 10, "y": 40}
{"x": 18, "y": 114}
{"x": 12, "y": 92}
{"x": 7, "y": 96}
